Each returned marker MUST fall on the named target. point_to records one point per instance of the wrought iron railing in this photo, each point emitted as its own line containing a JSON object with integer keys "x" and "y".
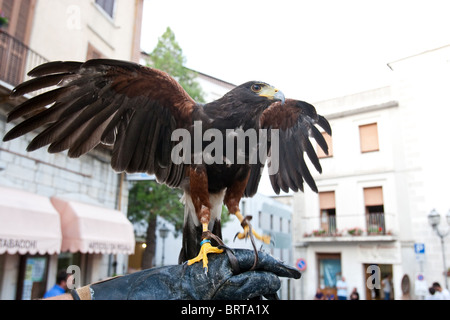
{"x": 331, "y": 230}
{"x": 375, "y": 223}
{"x": 328, "y": 226}
{"x": 16, "y": 59}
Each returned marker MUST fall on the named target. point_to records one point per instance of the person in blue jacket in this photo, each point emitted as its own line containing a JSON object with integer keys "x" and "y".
{"x": 60, "y": 287}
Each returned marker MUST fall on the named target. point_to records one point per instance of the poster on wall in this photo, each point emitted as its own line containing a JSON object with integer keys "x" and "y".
{"x": 34, "y": 273}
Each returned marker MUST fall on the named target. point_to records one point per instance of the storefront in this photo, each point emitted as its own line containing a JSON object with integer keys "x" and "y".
{"x": 30, "y": 234}
{"x": 93, "y": 238}
{"x": 39, "y": 236}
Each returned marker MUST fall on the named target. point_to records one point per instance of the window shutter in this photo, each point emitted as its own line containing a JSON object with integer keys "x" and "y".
{"x": 20, "y": 15}
{"x": 327, "y": 200}
{"x": 369, "y": 137}
{"x": 373, "y": 196}
{"x": 320, "y": 153}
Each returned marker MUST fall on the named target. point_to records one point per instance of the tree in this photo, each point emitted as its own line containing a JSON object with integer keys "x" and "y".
{"x": 168, "y": 56}
{"x": 148, "y": 199}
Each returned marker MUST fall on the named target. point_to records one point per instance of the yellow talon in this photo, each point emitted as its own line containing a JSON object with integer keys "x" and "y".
{"x": 204, "y": 250}
{"x": 244, "y": 234}
{"x": 240, "y": 236}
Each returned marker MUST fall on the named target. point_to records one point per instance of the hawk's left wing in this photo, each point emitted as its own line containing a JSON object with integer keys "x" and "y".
{"x": 132, "y": 108}
{"x": 296, "y": 121}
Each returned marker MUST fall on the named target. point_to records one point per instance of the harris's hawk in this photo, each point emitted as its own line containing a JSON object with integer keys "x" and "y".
{"x": 135, "y": 110}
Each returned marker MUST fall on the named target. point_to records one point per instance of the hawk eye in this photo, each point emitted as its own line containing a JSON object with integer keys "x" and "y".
{"x": 256, "y": 88}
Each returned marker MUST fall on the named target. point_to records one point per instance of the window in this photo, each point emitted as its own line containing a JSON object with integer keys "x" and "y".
{"x": 320, "y": 153}
{"x": 93, "y": 53}
{"x": 20, "y": 14}
{"x": 368, "y": 135}
{"x": 107, "y": 6}
{"x": 14, "y": 54}
{"x": 327, "y": 212}
{"x": 259, "y": 219}
{"x": 374, "y": 207}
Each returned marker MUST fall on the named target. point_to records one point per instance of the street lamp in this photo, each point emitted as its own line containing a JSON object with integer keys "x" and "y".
{"x": 163, "y": 233}
{"x": 434, "y": 218}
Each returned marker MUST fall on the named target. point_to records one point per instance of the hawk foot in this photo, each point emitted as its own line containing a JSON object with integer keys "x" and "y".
{"x": 246, "y": 234}
{"x": 206, "y": 248}
{"x": 245, "y": 223}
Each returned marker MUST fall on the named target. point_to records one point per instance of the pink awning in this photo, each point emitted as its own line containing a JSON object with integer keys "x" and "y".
{"x": 92, "y": 229}
{"x": 28, "y": 223}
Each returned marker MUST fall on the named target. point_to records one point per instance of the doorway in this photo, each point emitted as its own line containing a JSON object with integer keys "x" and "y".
{"x": 32, "y": 277}
{"x": 329, "y": 273}
{"x": 377, "y": 273}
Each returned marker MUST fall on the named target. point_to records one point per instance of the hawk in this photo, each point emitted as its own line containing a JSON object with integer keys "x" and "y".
{"x": 137, "y": 110}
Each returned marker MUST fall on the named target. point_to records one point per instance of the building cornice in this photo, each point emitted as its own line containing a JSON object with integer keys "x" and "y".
{"x": 365, "y": 109}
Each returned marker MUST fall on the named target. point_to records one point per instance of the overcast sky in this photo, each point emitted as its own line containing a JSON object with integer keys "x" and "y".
{"x": 311, "y": 50}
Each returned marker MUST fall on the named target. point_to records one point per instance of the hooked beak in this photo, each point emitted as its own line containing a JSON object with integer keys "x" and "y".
{"x": 273, "y": 94}
{"x": 280, "y": 97}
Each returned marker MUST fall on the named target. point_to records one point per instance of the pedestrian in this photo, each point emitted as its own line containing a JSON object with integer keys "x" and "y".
{"x": 432, "y": 295}
{"x": 319, "y": 295}
{"x": 443, "y": 293}
{"x": 387, "y": 287}
{"x": 341, "y": 287}
{"x": 330, "y": 296}
{"x": 60, "y": 287}
{"x": 354, "y": 295}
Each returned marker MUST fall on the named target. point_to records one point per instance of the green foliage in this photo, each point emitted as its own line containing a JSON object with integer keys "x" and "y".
{"x": 168, "y": 57}
{"x": 148, "y": 199}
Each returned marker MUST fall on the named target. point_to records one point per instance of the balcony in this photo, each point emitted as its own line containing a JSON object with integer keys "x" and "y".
{"x": 375, "y": 229}
{"x": 375, "y": 223}
{"x": 16, "y": 59}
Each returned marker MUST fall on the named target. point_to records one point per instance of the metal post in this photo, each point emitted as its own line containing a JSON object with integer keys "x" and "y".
{"x": 163, "y": 233}
{"x": 434, "y": 220}
{"x": 163, "y": 250}
{"x": 443, "y": 257}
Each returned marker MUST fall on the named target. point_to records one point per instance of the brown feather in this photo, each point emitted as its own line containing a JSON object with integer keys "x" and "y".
{"x": 39, "y": 83}
{"x": 93, "y": 104}
{"x": 37, "y": 102}
{"x": 296, "y": 121}
{"x": 55, "y": 67}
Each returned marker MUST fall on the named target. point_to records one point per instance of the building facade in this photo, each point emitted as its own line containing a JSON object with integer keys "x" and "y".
{"x": 385, "y": 173}
{"x": 84, "y": 196}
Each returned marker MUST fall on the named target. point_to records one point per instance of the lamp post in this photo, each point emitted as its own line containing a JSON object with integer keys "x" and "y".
{"x": 434, "y": 218}
{"x": 163, "y": 233}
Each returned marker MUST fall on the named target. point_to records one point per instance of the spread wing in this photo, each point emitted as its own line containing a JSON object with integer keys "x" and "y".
{"x": 132, "y": 108}
{"x": 296, "y": 121}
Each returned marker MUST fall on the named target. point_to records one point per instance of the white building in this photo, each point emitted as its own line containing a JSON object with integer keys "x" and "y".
{"x": 213, "y": 88}
{"x": 387, "y": 171}
{"x": 40, "y": 187}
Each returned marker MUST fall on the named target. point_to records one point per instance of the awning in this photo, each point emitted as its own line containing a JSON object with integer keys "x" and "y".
{"x": 28, "y": 223}
{"x": 93, "y": 229}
